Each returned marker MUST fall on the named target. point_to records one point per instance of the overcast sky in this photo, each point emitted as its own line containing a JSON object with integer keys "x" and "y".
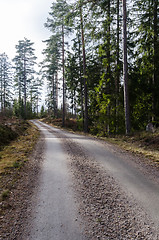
{"x": 23, "y": 18}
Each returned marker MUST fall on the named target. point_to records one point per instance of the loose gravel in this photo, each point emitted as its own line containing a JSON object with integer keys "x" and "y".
{"x": 107, "y": 211}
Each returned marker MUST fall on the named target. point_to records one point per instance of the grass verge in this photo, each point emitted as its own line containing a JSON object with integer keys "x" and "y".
{"x": 14, "y": 156}
{"x": 141, "y": 143}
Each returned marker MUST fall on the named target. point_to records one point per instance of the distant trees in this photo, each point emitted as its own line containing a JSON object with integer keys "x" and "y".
{"x": 107, "y": 82}
{"x": 56, "y": 24}
{"x": 20, "y": 85}
{"x": 5, "y": 83}
{"x": 26, "y": 85}
{"x": 108, "y": 70}
{"x": 50, "y": 67}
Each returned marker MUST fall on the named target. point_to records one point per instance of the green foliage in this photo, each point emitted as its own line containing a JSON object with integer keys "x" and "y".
{"x": 141, "y": 111}
{"x": 102, "y": 25}
{"x": 5, "y": 194}
{"x": 26, "y": 86}
{"x": 5, "y": 83}
{"x": 43, "y": 112}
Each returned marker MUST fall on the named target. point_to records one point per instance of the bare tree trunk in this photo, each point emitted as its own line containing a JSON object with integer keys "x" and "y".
{"x": 156, "y": 72}
{"x": 56, "y": 91}
{"x": 4, "y": 89}
{"x": 25, "y": 95}
{"x": 1, "y": 90}
{"x": 37, "y": 112}
{"x": 63, "y": 70}
{"x": 80, "y": 74}
{"x": 108, "y": 71}
{"x": 84, "y": 73}
{"x": 125, "y": 71}
{"x": 117, "y": 80}
{"x": 53, "y": 93}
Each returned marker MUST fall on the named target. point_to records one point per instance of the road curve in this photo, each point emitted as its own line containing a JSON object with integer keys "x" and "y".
{"x": 56, "y": 213}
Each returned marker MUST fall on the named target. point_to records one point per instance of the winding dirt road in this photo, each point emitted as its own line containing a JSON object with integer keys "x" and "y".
{"x": 90, "y": 190}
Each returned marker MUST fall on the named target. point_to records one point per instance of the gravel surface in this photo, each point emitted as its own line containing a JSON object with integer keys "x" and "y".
{"x": 107, "y": 211}
{"x": 146, "y": 165}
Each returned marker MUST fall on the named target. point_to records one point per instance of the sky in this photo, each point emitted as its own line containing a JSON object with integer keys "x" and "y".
{"x": 23, "y": 18}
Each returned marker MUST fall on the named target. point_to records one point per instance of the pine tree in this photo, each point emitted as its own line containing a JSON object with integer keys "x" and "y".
{"x": 5, "y": 82}
{"x": 56, "y": 24}
{"x": 24, "y": 70}
{"x": 125, "y": 70}
{"x": 51, "y": 66}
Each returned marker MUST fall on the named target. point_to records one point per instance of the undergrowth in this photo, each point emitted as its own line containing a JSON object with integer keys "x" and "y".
{"x": 142, "y": 143}
{"x": 14, "y": 156}
{"x": 16, "y": 153}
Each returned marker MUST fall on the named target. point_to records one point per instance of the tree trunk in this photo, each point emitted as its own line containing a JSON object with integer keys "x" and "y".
{"x": 108, "y": 73}
{"x": 125, "y": 71}
{"x": 1, "y": 90}
{"x": 4, "y": 88}
{"x": 117, "y": 80}
{"x": 156, "y": 62}
{"x": 63, "y": 72}
{"x": 25, "y": 95}
{"x": 84, "y": 74}
{"x": 53, "y": 94}
{"x": 1, "y": 98}
{"x": 80, "y": 74}
{"x": 56, "y": 92}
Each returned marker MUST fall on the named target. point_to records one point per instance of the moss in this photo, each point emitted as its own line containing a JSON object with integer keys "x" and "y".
{"x": 5, "y": 194}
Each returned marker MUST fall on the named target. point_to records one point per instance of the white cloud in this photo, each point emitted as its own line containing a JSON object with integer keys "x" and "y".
{"x": 23, "y": 18}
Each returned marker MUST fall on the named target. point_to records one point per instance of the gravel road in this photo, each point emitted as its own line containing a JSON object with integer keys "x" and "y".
{"x": 91, "y": 190}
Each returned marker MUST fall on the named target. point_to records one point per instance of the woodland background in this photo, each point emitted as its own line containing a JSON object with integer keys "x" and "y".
{"x": 83, "y": 62}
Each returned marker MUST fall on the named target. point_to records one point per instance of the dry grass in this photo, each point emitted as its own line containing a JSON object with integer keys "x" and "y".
{"x": 15, "y": 154}
{"x": 143, "y": 143}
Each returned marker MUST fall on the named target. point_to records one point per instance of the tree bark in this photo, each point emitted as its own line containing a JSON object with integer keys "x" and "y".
{"x": 53, "y": 94}
{"x": 80, "y": 75}
{"x": 56, "y": 91}
{"x": 63, "y": 72}
{"x": 25, "y": 95}
{"x": 156, "y": 62}
{"x": 1, "y": 90}
{"x": 84, "y": 74}
{"x": 108, "y": 73}
{"x": 125, "y": 71}
{"x": 117, "y": 80}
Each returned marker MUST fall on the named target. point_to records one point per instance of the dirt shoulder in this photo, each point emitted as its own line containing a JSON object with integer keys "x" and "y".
{"x": 17, "y": 184}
